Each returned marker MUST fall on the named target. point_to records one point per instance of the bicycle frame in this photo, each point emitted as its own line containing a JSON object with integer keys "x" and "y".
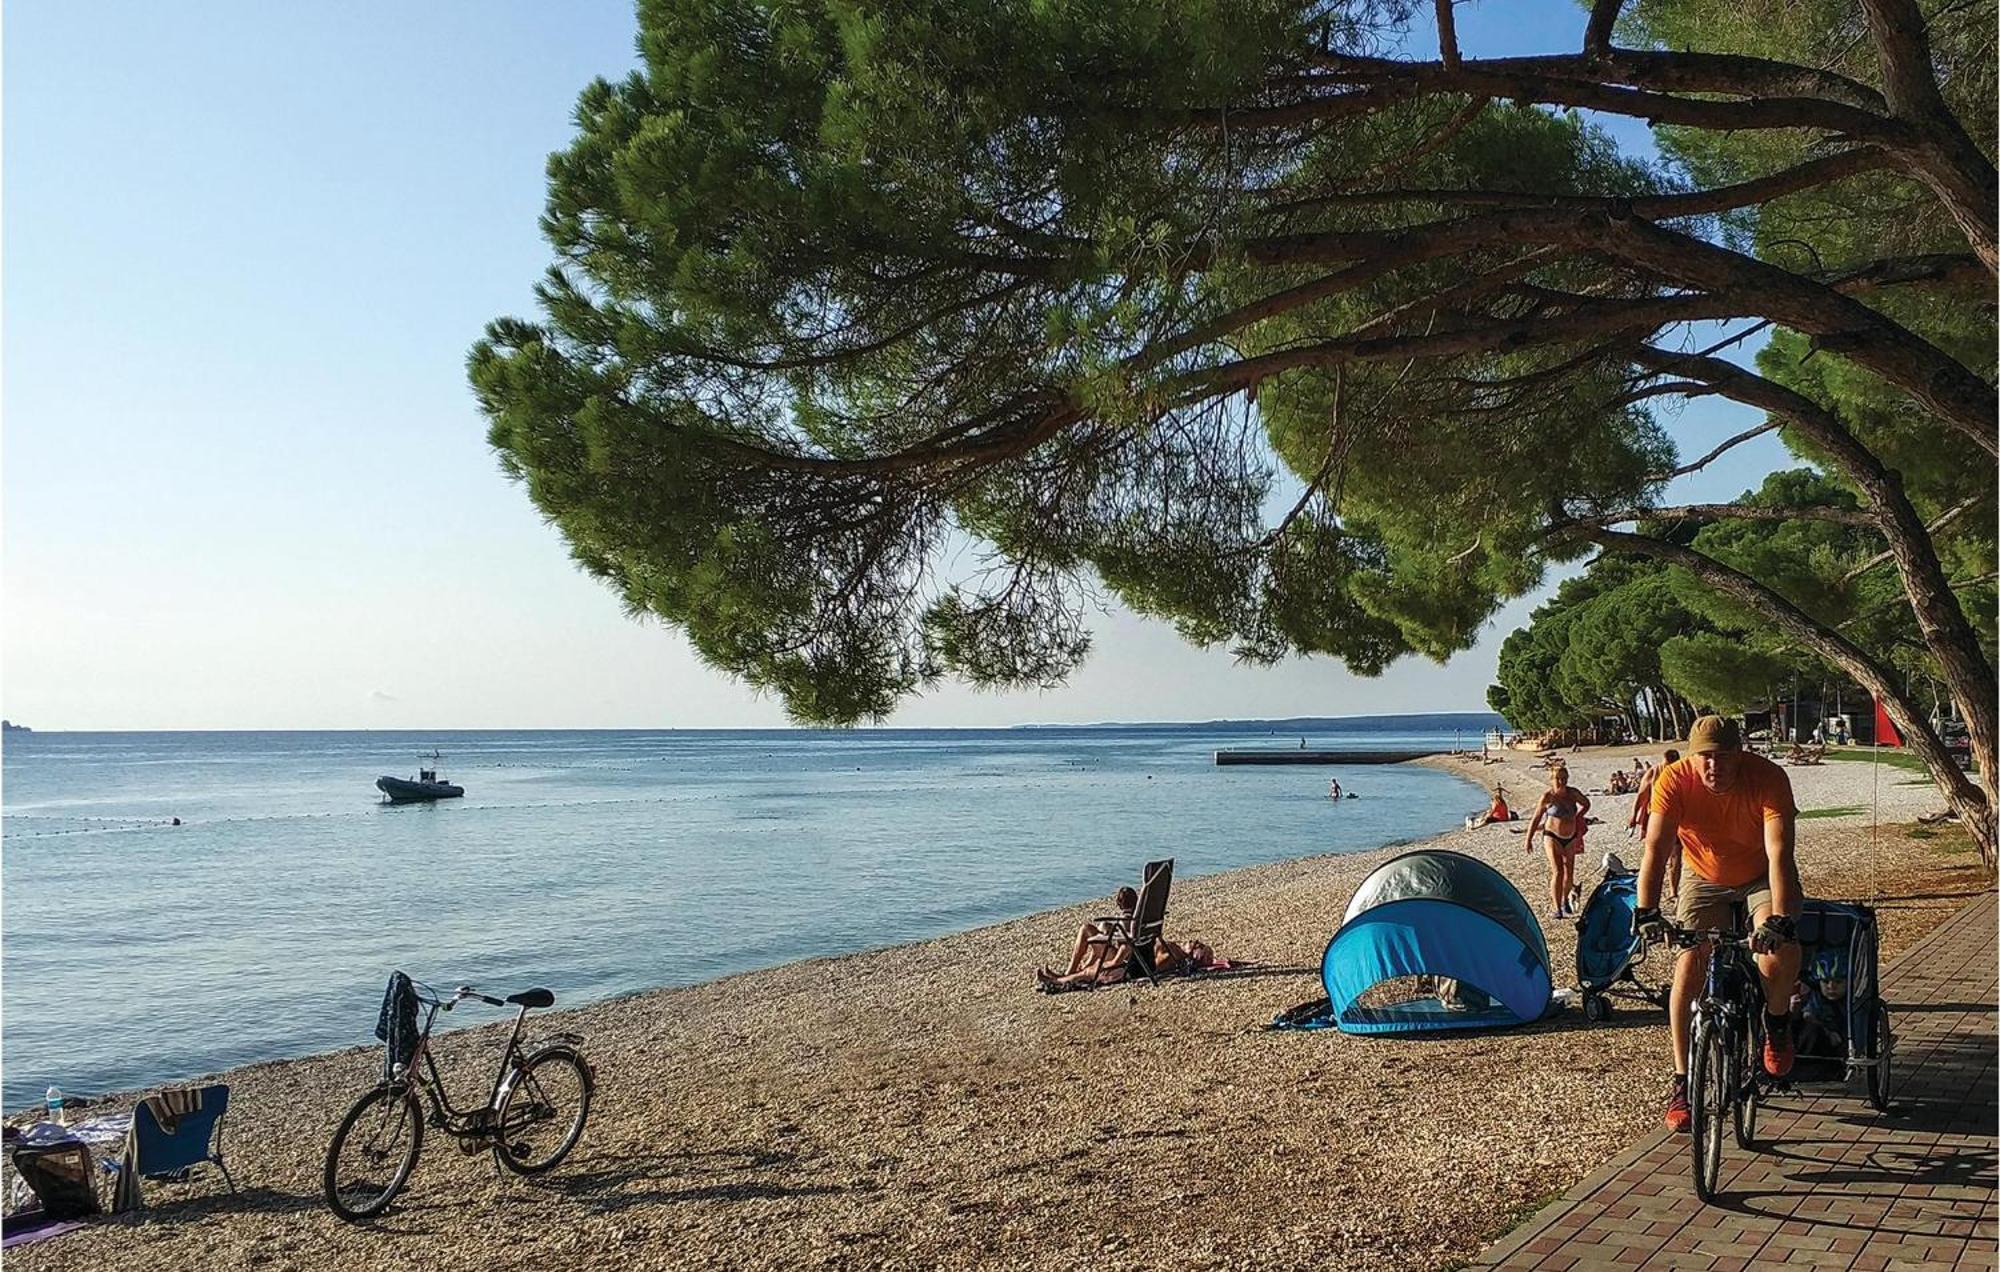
{"x": 1734, "y": 987}
{"x": 468, "y": 1123}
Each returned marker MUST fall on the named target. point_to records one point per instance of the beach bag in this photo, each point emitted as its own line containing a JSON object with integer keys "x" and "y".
{"x": 59, "y": 1175}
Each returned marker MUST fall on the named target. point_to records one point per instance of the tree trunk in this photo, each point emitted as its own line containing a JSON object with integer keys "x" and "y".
{"x": 1974, "y": 809}
{"x": 1946, "y": 159}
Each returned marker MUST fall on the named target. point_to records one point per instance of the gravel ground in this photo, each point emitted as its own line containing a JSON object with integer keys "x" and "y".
{"x": 920, "y": 1107}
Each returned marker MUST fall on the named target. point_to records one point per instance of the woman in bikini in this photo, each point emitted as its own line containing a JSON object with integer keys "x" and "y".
{"x": 1559, "y": 824}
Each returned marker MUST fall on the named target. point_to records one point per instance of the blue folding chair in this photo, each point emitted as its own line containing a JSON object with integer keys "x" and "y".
{"x": 196, "y": 1140}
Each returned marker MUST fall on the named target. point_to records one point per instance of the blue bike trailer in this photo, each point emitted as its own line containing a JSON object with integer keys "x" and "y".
{"x": 1609, "y": 955}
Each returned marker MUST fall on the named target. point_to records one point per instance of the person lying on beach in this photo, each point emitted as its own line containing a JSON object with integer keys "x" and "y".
{"x": 1114, "y": 964}
{"x": 1170, "y": 959}
{"x": 1096, "y": 960}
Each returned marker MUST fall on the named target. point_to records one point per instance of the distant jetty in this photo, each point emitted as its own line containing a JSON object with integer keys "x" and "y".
{"x": 1277, "y": 755}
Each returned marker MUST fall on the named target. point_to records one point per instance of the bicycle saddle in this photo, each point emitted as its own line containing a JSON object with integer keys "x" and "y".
{"x": 532, "y": 998}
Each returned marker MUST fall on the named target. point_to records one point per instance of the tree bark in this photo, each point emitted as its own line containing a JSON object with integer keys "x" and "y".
{"x": 1943, "y": 157}
{"x": 1975, "y": 811}
{"x": 1836, "y": 323}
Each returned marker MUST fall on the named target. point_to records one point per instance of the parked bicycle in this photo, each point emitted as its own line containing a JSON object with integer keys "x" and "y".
{"x": 532, "y": 1118}
{"x": 1725, "y": 1053}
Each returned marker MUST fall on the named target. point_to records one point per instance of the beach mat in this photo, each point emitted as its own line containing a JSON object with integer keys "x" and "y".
{"x": 26, "y": 1229}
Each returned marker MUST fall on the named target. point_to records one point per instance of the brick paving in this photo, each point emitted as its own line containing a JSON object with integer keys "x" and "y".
{"x": 1831, "y": 1184}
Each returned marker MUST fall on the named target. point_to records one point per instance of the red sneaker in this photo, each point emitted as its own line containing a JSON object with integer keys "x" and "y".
{"x": 1678, "y": 1116}
{"x": 1778, "y": 1052}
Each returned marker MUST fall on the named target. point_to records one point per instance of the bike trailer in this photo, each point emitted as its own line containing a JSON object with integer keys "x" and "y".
{"x": 1842, "y": 1025}
{"x": 1609, "y": 957}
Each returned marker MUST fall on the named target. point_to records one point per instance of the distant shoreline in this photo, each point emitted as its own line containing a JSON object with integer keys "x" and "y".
{"x": 1230, "y": 725}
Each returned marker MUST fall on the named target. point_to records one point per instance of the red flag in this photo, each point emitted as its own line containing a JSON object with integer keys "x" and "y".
{"x": 1885, "y": 730}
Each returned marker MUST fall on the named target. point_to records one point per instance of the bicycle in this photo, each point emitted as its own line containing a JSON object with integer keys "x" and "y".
{"x": 524, "y": 1120}
{"x": 1725, "y": 1051}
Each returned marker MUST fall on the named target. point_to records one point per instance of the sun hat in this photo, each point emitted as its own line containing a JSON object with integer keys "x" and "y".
{"x": 1714, "y": 733}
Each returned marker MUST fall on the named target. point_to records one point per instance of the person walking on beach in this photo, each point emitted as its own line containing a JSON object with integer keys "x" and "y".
{"x": 1642, "y": 807}
{"x": 1732, "y": 815}
{"x": 1558, "y": 827}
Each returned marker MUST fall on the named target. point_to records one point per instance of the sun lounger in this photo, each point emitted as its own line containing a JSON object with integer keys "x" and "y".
{"x": 1141, "y": 929}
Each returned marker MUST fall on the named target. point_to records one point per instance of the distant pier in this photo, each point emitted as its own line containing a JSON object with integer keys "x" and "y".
{"x": 1277, "y": 755}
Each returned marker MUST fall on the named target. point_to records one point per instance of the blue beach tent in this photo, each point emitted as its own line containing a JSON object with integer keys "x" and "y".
{"x": 1444, "y": 914}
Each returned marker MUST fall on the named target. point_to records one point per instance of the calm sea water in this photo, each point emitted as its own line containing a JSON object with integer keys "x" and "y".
{"x": 595, "y": 863}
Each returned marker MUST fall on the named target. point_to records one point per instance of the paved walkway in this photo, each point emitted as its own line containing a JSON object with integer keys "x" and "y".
{"x": 1833, "y": 1184}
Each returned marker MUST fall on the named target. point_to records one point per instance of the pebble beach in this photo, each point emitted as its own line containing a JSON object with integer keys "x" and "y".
{"x": 920, "y": 1106}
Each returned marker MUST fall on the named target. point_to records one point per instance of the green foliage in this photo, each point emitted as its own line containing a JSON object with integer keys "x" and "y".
{"x": 1721, "y": 672}
{"x": 878, "y": 337}
{"x": 1594, "y": 649}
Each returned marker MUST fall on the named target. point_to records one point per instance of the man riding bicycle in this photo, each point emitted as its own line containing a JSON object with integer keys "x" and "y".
{"x": 1731, "y": 814}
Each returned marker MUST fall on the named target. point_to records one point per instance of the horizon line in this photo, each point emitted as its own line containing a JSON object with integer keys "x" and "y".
{"x": 792, "y": 728}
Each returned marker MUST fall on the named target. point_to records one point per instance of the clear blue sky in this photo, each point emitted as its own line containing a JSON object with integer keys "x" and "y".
{"x": 246, "y": 249}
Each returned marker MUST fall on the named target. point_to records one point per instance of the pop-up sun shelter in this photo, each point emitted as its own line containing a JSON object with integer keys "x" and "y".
{"x": 1442, "y": 914}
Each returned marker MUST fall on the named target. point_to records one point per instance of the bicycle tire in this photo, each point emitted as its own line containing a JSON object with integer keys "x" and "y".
{"x": 516, "y": 1152}
{"x": 1880, "y": 1074}
{"x": 374, "y": 1201}
{"x": 1708, "y": 1104}
{"x": 1749, "y": 1063}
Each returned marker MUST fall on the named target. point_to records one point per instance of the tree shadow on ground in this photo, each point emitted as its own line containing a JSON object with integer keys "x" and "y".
{"x": 1964, "y": 895}
{"x": 641, "y": 1179}
{"x": 181, "y": 1203}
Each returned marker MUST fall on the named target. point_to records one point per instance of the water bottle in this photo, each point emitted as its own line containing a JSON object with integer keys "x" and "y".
{"x": 55, "y": 1106}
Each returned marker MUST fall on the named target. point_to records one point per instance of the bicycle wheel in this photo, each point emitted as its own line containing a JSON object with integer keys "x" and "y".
{"x": 1708, "y": 1101}
{"x": 1880, "y": 1076}
{"x": 373, "y": 1152}
{"x": 1748, "y": 1063}
{"x": 541, "y": 1114}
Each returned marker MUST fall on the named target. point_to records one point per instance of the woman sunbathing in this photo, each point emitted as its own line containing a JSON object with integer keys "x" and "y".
{"x": 1098, "y": 956}
{"x": 1109, "y": 963}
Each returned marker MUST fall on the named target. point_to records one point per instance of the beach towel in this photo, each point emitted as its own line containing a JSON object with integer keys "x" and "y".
{"x": 32, "y": 1226}
{"x": 168, "y": 1108}
{"x": 1317, "y": 1014}
{"x": 397, "y": 1024}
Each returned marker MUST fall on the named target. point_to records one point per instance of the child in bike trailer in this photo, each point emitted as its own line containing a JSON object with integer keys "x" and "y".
{"x": 1731, "y": 817}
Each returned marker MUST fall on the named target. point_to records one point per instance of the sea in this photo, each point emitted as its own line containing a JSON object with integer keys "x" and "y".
{"x": 134, "y": 951}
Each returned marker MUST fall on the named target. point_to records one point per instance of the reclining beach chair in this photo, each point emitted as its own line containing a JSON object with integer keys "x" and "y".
{"x": 1142, "y": 928}
{"x": 172, "y": 1133}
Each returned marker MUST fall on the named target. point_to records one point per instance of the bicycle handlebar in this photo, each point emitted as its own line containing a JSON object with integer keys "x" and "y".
{"x": 1688, "y": 938}
{"x": 430, "y": 997}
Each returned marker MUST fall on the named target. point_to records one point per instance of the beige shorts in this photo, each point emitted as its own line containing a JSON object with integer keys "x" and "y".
{"x": 1707, "y": 905}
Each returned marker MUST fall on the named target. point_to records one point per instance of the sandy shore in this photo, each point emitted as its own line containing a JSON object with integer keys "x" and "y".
{"x": 920, "y": 1107}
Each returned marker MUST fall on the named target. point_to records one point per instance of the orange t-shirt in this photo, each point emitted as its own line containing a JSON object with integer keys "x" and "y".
{"x": 1723, "y": 835}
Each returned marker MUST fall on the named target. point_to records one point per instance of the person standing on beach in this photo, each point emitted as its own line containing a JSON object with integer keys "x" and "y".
{"x": 1562, "y": 807}
{"x": 1733, "y": 817}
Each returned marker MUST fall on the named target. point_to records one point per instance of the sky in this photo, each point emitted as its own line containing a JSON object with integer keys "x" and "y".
{"x": 246, "y": 248}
